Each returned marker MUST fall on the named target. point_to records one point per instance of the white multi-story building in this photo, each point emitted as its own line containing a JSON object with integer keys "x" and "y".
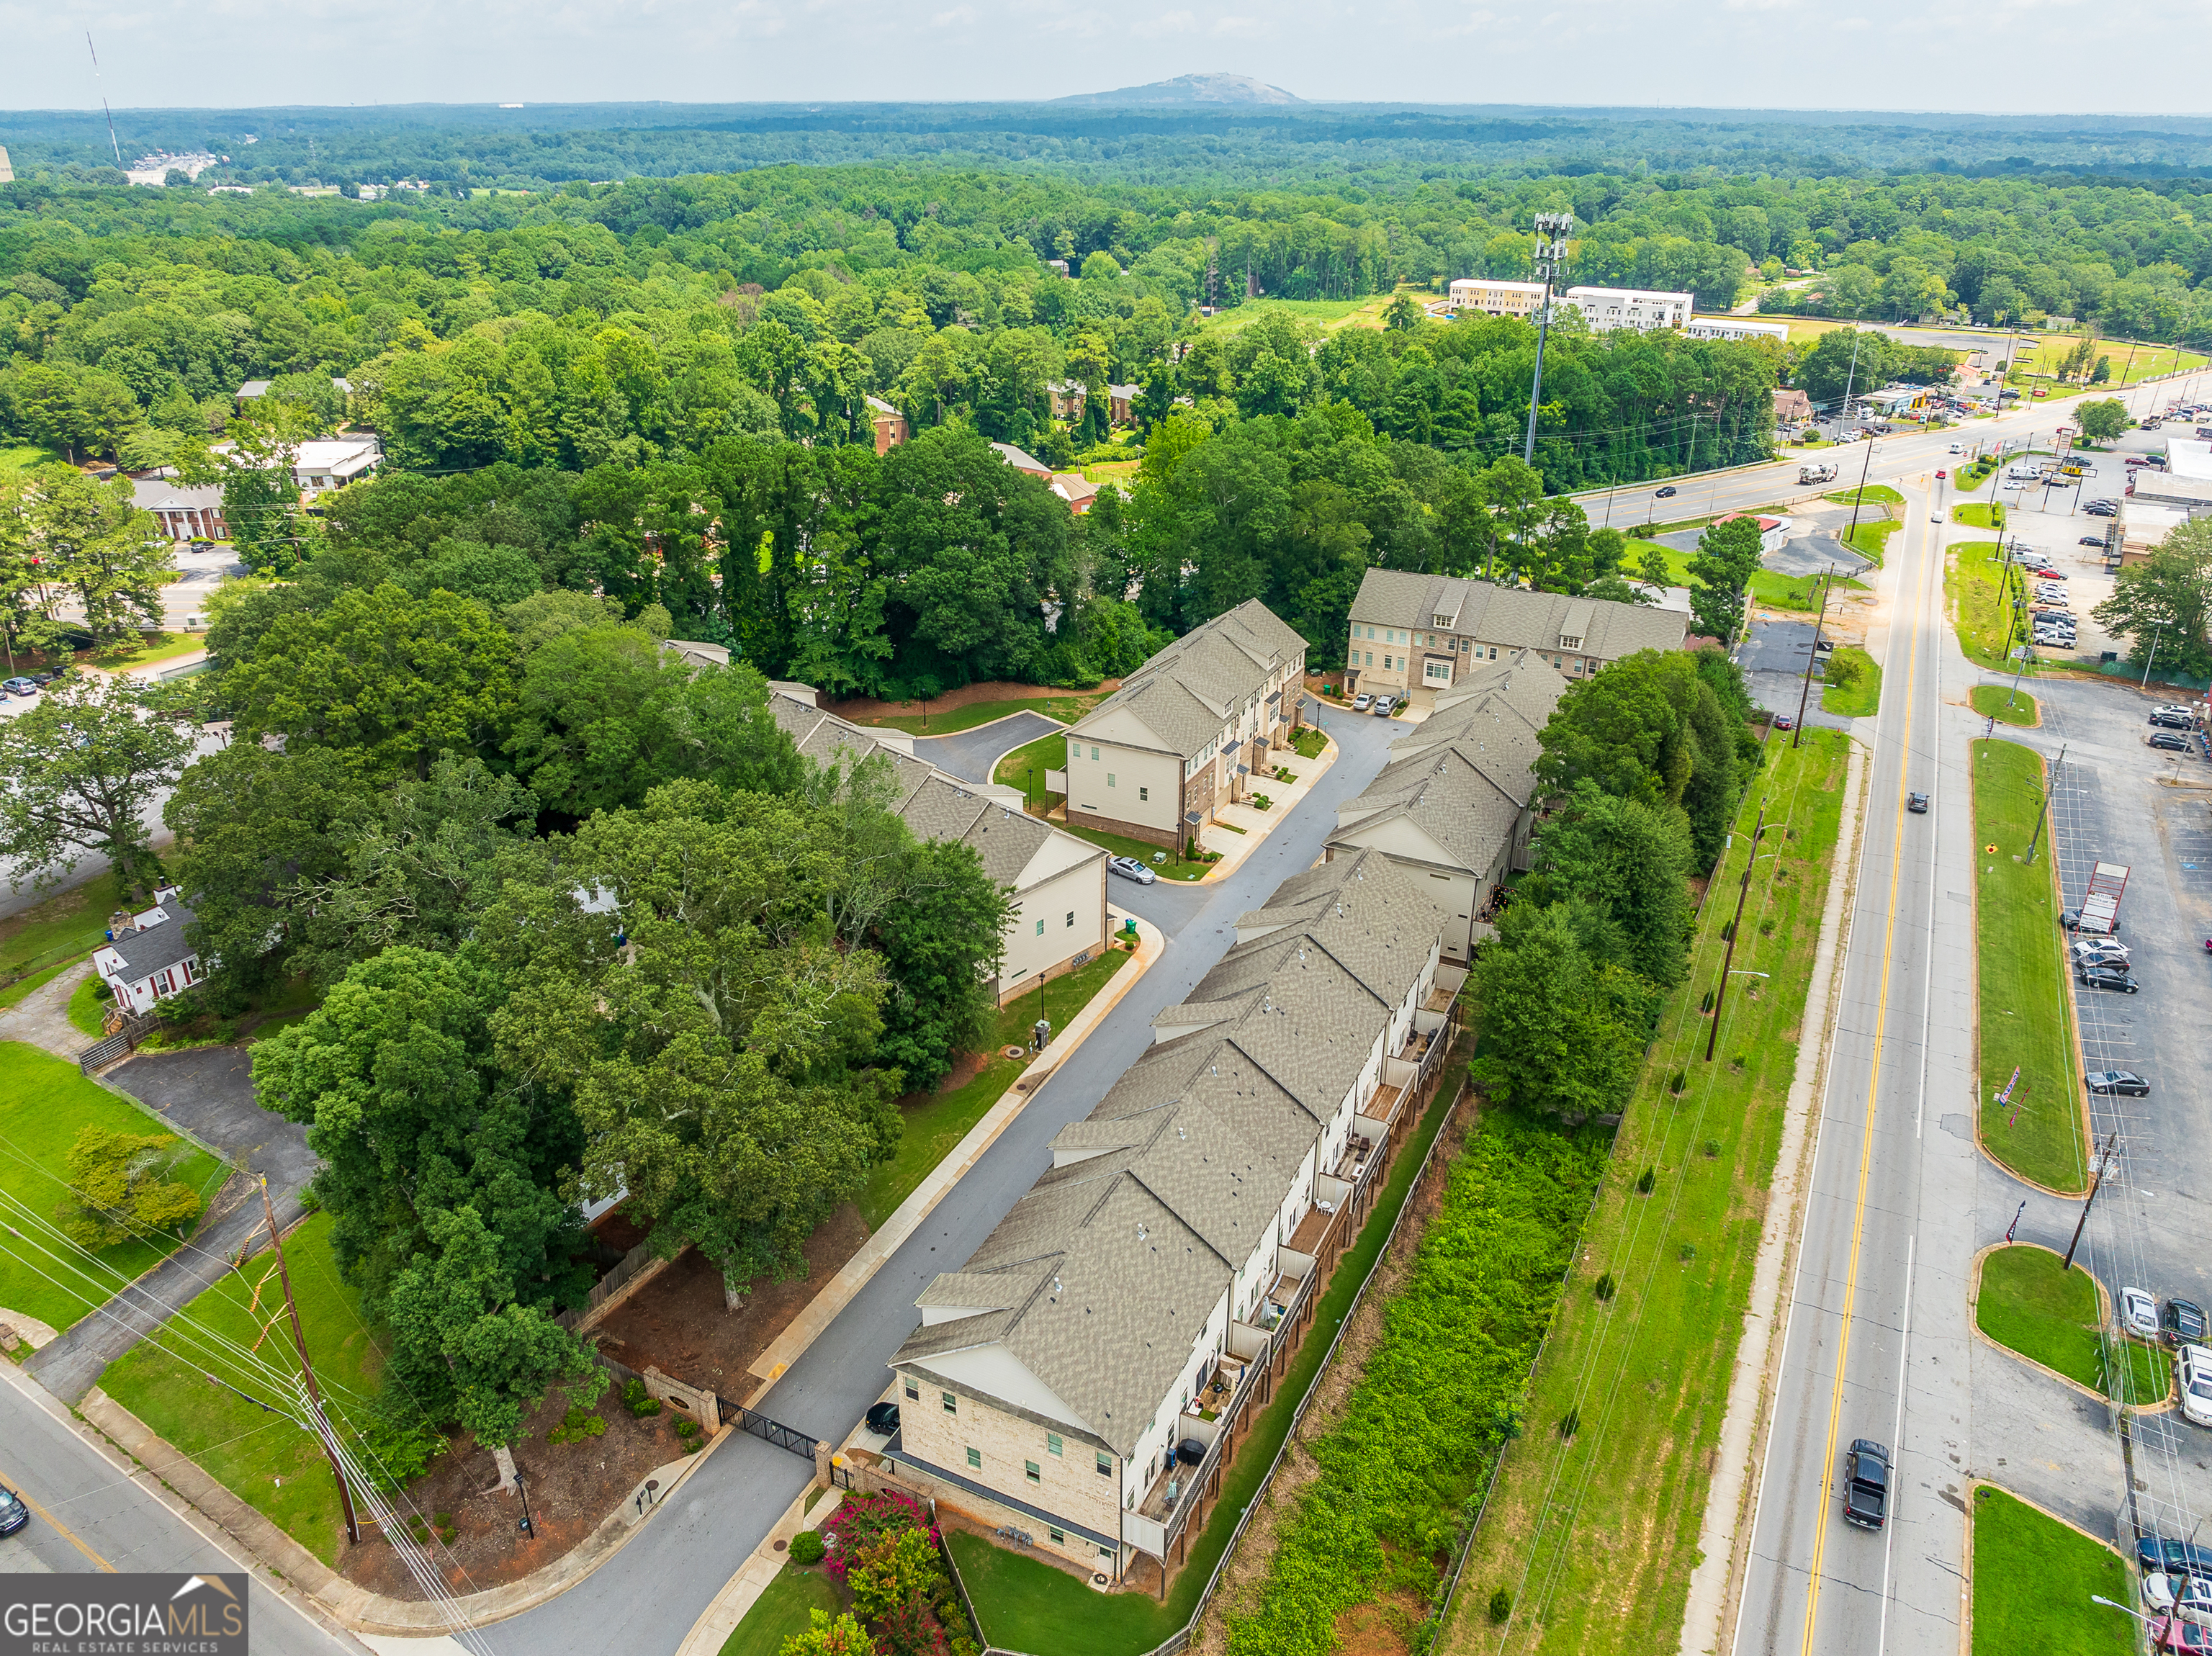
{"x": 1735, "y": 327}
{"x": 1493, "y": 297}
{"x": 1645, "y": 309}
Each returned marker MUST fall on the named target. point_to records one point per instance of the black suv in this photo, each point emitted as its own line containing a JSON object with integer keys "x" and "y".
{"x": 2171, "y": 721}
{"x": 2182, "y": 1323}
{"x": 2168, "y": 741}
{"x": 1866, "y": 1484}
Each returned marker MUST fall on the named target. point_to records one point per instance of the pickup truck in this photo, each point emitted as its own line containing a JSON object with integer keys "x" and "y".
{"x": 1866, "y": 1484}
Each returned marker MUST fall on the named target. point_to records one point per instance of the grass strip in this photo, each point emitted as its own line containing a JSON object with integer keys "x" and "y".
{"x": 88, "y": 1008}
{"x": 1592, "y": 1526}
{"x": 1176, "y": 868}
{"x": 2002, "y": 703}
{"x": 2027, "y": 1304}
{"x": 941, "y": 1120}
{"x": 2026, "y": 1023}
{"x": 1779, "y": 591}
{"x": 44, "y": 1104}
{"x": 1026, "y": 768}
{"x": 1974, "y": 577}
{"x": 267, "y": 1460}
{"x": 952, "y": 720}
{"x": 1980, "y": 514}
{"x": 1873, "y": 493}
{"x": 1854, "y": 683}
{"x": 781, "y": 1611}
{"x": 1027, "y": 1605}
{"x": 2033, "y": 1577}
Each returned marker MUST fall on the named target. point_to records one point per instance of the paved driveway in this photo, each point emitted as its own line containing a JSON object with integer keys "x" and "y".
{"x": 646, "y": 1599}
{"x": 1774, "y": 658}
{"x": 971, "y": 754}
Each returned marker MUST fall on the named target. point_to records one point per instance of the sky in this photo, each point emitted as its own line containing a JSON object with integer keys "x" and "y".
{"x": 1993, "y": 55}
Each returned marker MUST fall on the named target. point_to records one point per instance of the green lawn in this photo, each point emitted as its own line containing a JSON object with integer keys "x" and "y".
{"x": 88, "y": 1008}
{"x": 21, "y": 456}
{"x": 1309, "y": 741}
{"x": 1027, "y": 1605}
{"x": 2033, "y": 1577}
{"x": 1176, "y": 868}
{"x": 1973, "y": 577}
{"x": 44, "y": 1103}
{"x": 1330, "y": 314}
{"x": 1980, "y": 514}
{"x": 1678, "y": 562}
{"x": 2026, "y": 1020}
{"x": 1871, "y": 538}
{"x": 155, "y": 647}
{"x": 2007, "y": 705}
{"x": 1872, "y": 494}
{"x": 22, "y": 987}
{"x": 264, "y": 1459}
{"x": 1779, "y": 591}
{"x": 1066, "y": 709}
{"x": 932, "y": 1127}
{"x": 1595, "y": 1536}
{"x": 1025, "y": 767}
{"x": 781, "y": 1611}
{"x": 56, "y": 931}
{"x": 1854, "y": 686}
{"x": 2026, "y": 1306}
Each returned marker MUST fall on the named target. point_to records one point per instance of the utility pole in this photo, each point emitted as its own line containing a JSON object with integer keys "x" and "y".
{"x": 1806, "y": 689}
{"x": 1551, "y": 254}
{"x": 307, "y": 1368}
{"x": 1728, "y": 959}
{"x": 2111, "y": 1142}
{"x": 2152, "y": 656}
{"x": 1859, "y": 498}
{"x": 2042, "y": 811}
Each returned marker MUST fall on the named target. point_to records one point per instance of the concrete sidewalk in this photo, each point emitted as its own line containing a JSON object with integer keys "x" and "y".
{"x": 1260, "y": 825}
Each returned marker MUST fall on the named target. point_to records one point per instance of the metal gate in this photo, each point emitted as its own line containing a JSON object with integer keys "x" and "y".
{"x": 784, "y": 1437}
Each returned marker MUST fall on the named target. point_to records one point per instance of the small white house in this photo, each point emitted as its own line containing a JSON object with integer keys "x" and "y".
{"x": 146, "y": 958}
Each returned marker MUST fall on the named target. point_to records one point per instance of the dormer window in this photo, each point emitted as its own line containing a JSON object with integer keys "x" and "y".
{"x": 1566, "y": 643}
{"x": 1440, "y": 620}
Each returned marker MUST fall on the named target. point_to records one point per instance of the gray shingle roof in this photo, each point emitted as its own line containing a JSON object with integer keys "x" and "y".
{"x": 1514, "y": 616}
{"x": 1185, "y": 694}
{"x": 1171, "y": 1184}
{"x": 144, "y": 953}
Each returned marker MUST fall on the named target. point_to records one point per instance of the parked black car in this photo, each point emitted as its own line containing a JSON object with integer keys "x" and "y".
{"x": 2169, "y": 741}
{"x": 14, "y": 1514}
{"x": 2124, "y": 1083}
{"x": 2182, "y": 1323}
{"x": 2105, "y": 977}
{"x": 883, "y": 1418}
{"x": 1866, "y": 1484}
{"x": 2173, "y": 1557}
{"x": 2171, "y": 721}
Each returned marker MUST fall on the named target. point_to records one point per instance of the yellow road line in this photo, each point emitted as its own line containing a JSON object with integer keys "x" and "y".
{"x": 1865, "y": 1141}
{"x": 60, "y": 1528}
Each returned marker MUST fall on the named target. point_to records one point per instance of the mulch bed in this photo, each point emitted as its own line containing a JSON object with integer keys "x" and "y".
{"x": 572, "y": 1487}
{"x": 675, "y": 1322}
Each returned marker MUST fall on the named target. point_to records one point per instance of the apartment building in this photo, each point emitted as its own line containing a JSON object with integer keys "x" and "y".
{"x": 1454, "y": 807}
{"x": 1493, "y": 297}
{"x": 1087, "y": 1372}
{"x": 1642, "y": 308}
{"x": 1735, "y": 327}
{"x": 1058, "y": 882}
{"x": 1415, "y": 635}
{"x": 1187, "y": 730}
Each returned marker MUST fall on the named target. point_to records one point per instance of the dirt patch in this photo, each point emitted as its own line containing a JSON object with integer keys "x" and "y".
{"x": 1380, "y": 1629}
{"x": 572, "y": 1487}
{"x": 675, "y": 1322}
{"x": 866, "y": 707}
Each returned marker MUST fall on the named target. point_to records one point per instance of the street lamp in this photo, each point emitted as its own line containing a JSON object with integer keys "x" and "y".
{"x": 1551, "y": 256}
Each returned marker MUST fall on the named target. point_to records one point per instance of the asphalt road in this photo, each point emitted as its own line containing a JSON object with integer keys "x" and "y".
{"x": 645, "y": 1599}
{"x": 88, "y": 1514}
{"x": 971, "y": 754}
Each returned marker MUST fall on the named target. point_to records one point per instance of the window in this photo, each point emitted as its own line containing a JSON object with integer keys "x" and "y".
{"x": 1032, "y": 1471}
{"x": 1040, "y": 928}
{"x": 1105, "y": 1465}
{"x": 1143, "y": 794}
{"x": 1370, "y": 658}
{"x": 1053, "y": 1443}
{"x": 1070, "y": 917}
{"x": 1058, "y": 1538}
{"x": 913, "y": 1392}
{"x": 952, "y": 1404}
{"x": 1493, "y": 653}
{"x": 1110, "y": 778}
{"x": 1438, "y": 672}
{"x": 1094, "y": 753}
{"x": 975, "y": 1460}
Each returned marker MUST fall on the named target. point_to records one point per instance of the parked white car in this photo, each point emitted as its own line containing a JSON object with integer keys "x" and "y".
{"x": 2192, "y": 1381}
{"x": 2139, "y": 1310}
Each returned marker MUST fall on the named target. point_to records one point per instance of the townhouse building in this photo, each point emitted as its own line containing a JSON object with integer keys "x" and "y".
{"x": 1455, "y": 808}
{"x": 1496, "y": 298}
{"x": 1415, "y": 635}
{"x": 1735, "y": 327}
{"x": 1087, "y": 1372}
{"x": 1186, "y": 730}
{"x": 1645, "y": 309}
{"x": 1058, "y": 882}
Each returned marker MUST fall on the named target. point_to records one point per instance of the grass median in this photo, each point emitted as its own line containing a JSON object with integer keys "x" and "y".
{"x": 1592, "y": 1532}
{"x": 1974, "y": 577}
{"x": 2027, "y": 1304}
{"x": 2033, "y": 1577}
{"x": 2002, "y": 703}
{"x": 2027, "y": 1022}
{"x": 1854, "y": 683}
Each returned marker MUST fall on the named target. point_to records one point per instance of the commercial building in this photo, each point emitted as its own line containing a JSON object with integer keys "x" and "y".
{"x": 1735, "y": 327}
{"x": 1645, "y": 309}
{"x": 1415, "y": 635}
{"x": 1087, "y": 1373}
{"x": 1187, "y": 730}
{"x": 1792, "y": 407}
{"x": 1495, "y": 298}
{"x": 186, "y": 511}
{"x": 1058, "y": 882}
{"x": 2186, "y": 482}
{"x": 2143, "y": 524}
{"x": 1455, "y": 808}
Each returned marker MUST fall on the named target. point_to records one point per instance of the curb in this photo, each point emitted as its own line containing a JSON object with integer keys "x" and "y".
{"x": 1247, "y": 844}
{"x": 334, "y": 1596}
{"x": 781, "y": 1353}
{"x": 2164, "y": 1405}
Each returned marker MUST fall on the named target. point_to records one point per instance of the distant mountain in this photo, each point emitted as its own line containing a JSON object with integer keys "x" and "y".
{"x": 1191, "y": 89}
